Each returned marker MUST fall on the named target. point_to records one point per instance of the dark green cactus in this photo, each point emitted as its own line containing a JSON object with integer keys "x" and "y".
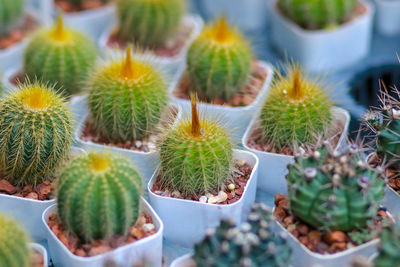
{"x": 36, "y": 133}
{"x": 252, "y": 244}
{"x": 98, "y": 196}
{"x": 389, "y": 247}
{"x": 319, "y": 14}
{"x": 334, "y": 192}
{"x": 10, "y": 13}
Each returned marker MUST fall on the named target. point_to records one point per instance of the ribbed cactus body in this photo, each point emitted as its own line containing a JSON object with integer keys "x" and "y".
{"x": 318, "y": 14}
{"x": 126, "y": 99}
{"x": 389, "y": 247}
{"x": 35, "y": 134}
{"x": 334, "y": 192}
{"x": 14, "y": 244}
{"x": 218, "y": 62}
{"x": 297, "y": 111}
{"x": 10, "y": 13}
{"x": 98, "y": 196}
{"x": 149, "y": 23}
{"x": 60, "y": 56}
{"x": 195, "y": 156}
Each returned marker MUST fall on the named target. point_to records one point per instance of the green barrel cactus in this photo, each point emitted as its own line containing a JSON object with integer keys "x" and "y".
{"x": 318, "y": 14}
{"x": 196, "y": 156}
{"x": 10, "y": 13}
{"x": 149, "y": 23}
{"x": 252, "y": 244}
{"x": 36, "y": 133}
{"x": 334, "y": 192}
{"x": 389, "y": 247}
{"x": 61, "y": 56}
{"x": 98, "y": 196}
{"x": 297, "y": 111}
{"x": 219, "y": 62}
{"x": 126, "y": 99}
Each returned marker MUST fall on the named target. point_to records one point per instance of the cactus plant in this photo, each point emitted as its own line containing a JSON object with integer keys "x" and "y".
{"x": 334, "y": 192}
{"x": 126, "y": 99}
{"x": 252, "y": 244}
{"x": 388, "y": 251}
{"x": 36, "y": 133}
{"x": 318, "y": 14}
{"x": 10, "y": 13}
{"x": 297, "y": 111}
{"x": 219, "y": 62}
{"x": 149, "y": 23}
{"x": 14, "y": 249}
{"x": 61, "y": 56}
{"x": 196, "y": 156}
{"x": 98, "y": 196}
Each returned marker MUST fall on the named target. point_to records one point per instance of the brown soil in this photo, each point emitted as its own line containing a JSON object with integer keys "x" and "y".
{"x": 18, "y": 78}
{"x": 139, "y": 231}
{"x": 239, "y": 179}
{"x": 37, "y": 259}
{"x": 392, "y": 175}
{"x": 28, "y": 25}
{"x": 317, "y": 240}
{"x": 43, "y": 191}
{"x": 244, "y": 98}
{"x": 66, "y": 6}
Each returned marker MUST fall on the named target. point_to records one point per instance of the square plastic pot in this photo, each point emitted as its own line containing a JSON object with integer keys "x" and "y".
{"x": 388, "y": 17}
{"x": 235, "y": 119}
{"x": 186, "y": 221}
{"x": 148, "y": 249}
{"x": 40, "y": 249}
{"x": 169, "y": 64}
{"x": 184, "y": 261}
{"x": 321, "y": 50}
{"x": 273, "y": 166}
{"x": 29, "y": 211}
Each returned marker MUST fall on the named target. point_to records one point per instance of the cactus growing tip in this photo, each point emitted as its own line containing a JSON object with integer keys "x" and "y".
{"x": 196, "y": 127}
{"x": 35, "y": 98}
{"x": 99, "y": 162}
{"x": 59, "y": 32}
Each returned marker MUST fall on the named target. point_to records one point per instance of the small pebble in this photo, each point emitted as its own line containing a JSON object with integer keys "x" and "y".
{"x": 208, "y": 195}
{"x": 231, "y": 187}
{"x": 213, "y": 200}
{"x": 203, "y": 199}
{"x": 222, "y": 196}
{"x": 176, "y": 194}
{"x": 148, "y": 227}
{"x": 138, "y": 143}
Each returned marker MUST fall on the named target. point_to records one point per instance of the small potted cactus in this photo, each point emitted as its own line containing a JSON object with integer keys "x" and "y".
{"x": 387, "y": 17}
{"x": 253, "y": 243}
{"x": 332, "y": 211}
{"x": 296, "y": 113}
{"x": 100, "y": 215}
{"x": 314, "y": 33}
{"x": 202, "y": 177}
{"x": 160, "y": 27}
{"x": 221, "y": 70}
{"x": 388, "y": 248}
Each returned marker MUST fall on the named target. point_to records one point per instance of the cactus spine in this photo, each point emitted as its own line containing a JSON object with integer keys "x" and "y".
{"x": 149, "y": 23}
{"x": 196, "y": 156}
{"x": 126, "y": 99}
{"x": 35, "y": 133}
{"x": 388, "y": 251}
{"x": 10, "y": 13}
{"x": 61, "y": 56}
{"x": 219, "y": 62}
{"x": 98, "y": 196}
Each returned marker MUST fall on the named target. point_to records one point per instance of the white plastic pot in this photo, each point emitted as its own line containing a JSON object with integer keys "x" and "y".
{"x": 273, "y": 166}
{"x": 29, "y": 211}
{"x": 148, "y": 249}
{"x": 40, "y": 249}
{"x": 186, "y": 221}
{"x": 184, "y": 261}
{"x": 388, "y": 17}
{"x": 235, "y": 119}
{"x": 321, "y": 50}
{"x": 170, "y": 64}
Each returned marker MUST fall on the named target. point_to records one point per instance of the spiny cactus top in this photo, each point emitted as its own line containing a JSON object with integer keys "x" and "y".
{"x": 35, "y": 133}
{"x": 219, "y": 61}
{"x": 149, "y": 23}
{"x": 98, "y": 196}
{"x": 196, "y": 156}
{"x": 334, "y": 192}
{"x": 10, "y": 14}
{"x": 126, "y": 99}
{"x": 251, "y": 244}
{"x": 318, "y": 14}
{"x": 61, "y": 56}
{"x": 14, "y": 244}
{"x": 389, "y": 247}
{"x": 297, "y": 111}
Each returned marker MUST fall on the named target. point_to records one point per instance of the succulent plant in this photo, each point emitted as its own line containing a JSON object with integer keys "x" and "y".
{"x": 318, "y": 14}
{"x": 251, "y": 244}
{"x": 126, "y": 99}
{"x": 389, "y": 247}
{"x": 61, "y": 56}
{"x": 36, "y": 133}
{"x": 149, "y": 23}
{"x": 297, "y": 111}
{"x": 334, "y": 192}
{"x": 10, "y": 13}
{"x": 195, "y": 155}
{"x": 219, "y": 61}
{"x": 98, "y": 196}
